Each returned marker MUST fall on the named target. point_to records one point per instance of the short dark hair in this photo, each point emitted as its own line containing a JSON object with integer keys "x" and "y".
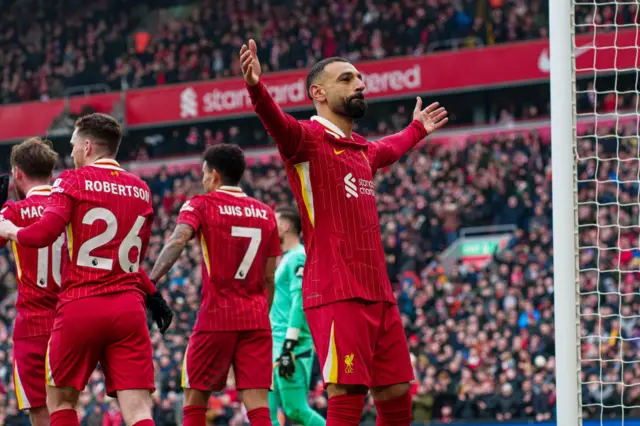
{"x": 317, "y": 69}
{"x": 102, "y": 129}
{"x": 291, "y": 215}
{"x": 228, "y": 160}
{"x": 35, "y": 157}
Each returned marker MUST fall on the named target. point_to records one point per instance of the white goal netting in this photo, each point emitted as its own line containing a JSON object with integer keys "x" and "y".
{"x": 607, "y": 151}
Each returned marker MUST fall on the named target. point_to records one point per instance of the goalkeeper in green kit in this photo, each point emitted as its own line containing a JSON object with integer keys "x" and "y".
{"x": 292, "y": 344}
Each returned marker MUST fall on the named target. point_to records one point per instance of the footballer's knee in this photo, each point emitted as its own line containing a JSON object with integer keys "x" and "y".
{"x": 39, "y": 416}
{"x": 196, "y": 397}
{"x": 135, "y": 405}
{"x": 255, "y": 398}
{"x": 61, "y": 398}
{"x": 385, "y": 393}
{"x": 334, "y": 389}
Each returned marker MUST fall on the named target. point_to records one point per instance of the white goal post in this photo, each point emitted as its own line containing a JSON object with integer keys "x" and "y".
{"x": 596, "y": 209}
{"x": 563, "y": 163}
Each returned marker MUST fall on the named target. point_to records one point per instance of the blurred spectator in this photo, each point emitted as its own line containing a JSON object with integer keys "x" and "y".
{"x": 50, "y": 48}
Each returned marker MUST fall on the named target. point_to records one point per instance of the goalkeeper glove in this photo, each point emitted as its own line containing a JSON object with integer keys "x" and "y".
{"x": 287, "y": 361}
{"x": 160, "y": 311}
{"x": 4, "y": 189}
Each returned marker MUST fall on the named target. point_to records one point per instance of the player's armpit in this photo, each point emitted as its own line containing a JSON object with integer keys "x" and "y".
{"x": 171, "y": 251}
{"x": 269, "y": 279}
{"x": 285, "y": 130}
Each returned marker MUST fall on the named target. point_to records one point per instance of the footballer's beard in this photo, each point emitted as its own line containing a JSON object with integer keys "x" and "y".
{"x": 355, "y": 106}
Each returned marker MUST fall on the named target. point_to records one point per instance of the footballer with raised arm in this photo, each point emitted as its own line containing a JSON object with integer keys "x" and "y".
{"x": 37, "y": 274}
{"x": 101, "y": 317}
{"x": 240, "y": 245}
{"x": 353, "y": 317}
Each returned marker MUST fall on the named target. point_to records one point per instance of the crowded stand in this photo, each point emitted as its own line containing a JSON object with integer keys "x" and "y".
{"x": 481, "y": 336}
{"x": 481, "y": 339}
{"x": 119, "y": 45}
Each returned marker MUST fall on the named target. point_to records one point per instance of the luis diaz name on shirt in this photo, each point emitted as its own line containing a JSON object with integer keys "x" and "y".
{"x": 249, "y": 211}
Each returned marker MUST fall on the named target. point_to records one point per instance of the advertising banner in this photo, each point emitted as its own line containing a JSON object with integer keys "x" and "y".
{"x": 470, "y": 69}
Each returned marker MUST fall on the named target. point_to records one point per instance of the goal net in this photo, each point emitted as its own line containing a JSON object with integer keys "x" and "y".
{"x": 606, "y": 212}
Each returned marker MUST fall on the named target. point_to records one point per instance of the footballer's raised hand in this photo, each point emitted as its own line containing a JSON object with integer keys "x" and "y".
{"x": 250, "y": 63}
{"x": 432, "y": 117}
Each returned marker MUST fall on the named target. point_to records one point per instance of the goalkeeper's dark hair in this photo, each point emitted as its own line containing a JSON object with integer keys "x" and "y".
{"x": 228, "y": 160}
{"x": 35, "y": 157}
{"x": 291, "y": 215}
{"x": 101, "y": 129}
{"x": 318, "y": 68}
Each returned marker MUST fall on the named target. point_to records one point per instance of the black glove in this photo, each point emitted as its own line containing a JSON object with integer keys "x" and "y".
{"x": 4, "y": 189}
{"x": 287, "y": 361}
{"x": 161, "y": 312}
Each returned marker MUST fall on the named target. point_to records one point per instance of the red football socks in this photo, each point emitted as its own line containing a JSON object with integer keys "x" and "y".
{"x": 394, "y": 412}
{"x": 345, "y": 410}
{"x": 194, "y": 415}
{"x": 64, "y": 418}
{"x": 258, "y": 417}
{"x": 146, "y": 422}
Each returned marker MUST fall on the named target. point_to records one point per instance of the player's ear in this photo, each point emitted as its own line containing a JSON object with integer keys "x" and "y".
{"x": 317, "y": 93}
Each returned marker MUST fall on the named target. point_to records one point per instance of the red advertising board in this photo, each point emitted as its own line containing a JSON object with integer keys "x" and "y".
{"x": 398, "y": 77}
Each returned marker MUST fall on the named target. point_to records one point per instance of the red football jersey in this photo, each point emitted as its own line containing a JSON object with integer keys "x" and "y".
{"x": 332, "y": 181}
{"x": 37, "y": 270}
{"x": 109, "y": 215}
{"x": 238, "y": 235}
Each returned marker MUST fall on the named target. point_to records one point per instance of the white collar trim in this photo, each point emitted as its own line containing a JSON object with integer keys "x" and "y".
{"x": 329, "y": 126}
{"x": 236, "y": 191}
{"x": 40, "y": 190}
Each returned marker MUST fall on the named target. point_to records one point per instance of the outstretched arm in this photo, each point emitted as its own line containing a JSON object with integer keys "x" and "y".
{"x": 42, "y": 233}
{"x": 390, "y": 149}
{"x": 171, "y": 251}
{"x": 283, "y": 128}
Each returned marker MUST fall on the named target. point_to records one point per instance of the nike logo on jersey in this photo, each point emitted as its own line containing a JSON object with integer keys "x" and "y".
{"x": 335, "y": 151}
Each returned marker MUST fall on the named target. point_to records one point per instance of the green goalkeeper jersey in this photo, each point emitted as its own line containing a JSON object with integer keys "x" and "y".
{"x": 286, "y": 311}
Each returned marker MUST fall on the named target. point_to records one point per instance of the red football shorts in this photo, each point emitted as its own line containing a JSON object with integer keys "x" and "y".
{"x": 210, "y": 354}
{"x": 109, "y": 329}
{"x": 28, "y": 371}
{"x": 360, "y": 343}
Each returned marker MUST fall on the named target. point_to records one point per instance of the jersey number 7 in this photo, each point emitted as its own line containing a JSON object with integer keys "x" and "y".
{"x": 256, "y": 236}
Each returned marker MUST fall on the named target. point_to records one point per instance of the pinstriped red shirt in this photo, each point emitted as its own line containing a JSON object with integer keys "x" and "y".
{"x": 331, "y": 177}
{"x": 238, "y": 235}
{"x": 37, "y": 270}
{"x": 109, "y": 215}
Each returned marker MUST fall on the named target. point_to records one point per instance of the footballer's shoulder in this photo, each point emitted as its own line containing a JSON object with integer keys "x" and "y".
{"x": 193, "y": 203}
{"x": 312, "y": 126}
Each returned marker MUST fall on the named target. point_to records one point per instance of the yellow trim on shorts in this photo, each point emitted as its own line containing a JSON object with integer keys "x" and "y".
{"x": 21, "y": 396}
{"x": 184, "y": 381}
{"x": 47, "y": 367}
{"x": 333, "y": 375}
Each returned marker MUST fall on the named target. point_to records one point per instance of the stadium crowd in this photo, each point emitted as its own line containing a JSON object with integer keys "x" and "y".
{"x": 482, "y": 340}
{"x": 121, "y": 44}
